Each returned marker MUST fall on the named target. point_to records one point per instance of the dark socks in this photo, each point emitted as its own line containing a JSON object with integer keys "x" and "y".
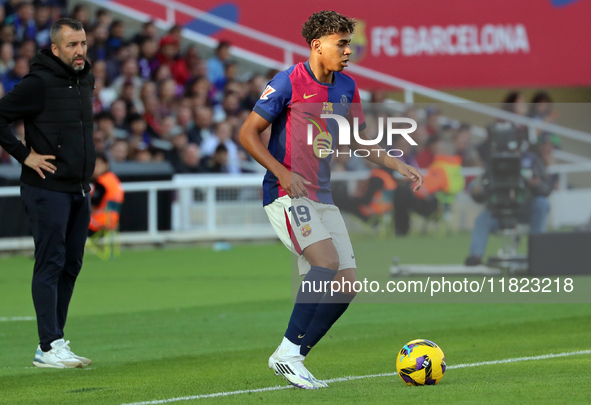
{"x": 307, "y": 302}
{"x": 328, "y": 312}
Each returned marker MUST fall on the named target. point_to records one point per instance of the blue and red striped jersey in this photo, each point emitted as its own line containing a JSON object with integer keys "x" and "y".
{"x": 294, "y": 100}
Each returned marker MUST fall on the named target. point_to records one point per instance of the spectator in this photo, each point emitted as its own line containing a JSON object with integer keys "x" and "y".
{"x": 190, "y": 159}
{"x": 138, "y": 128}
{"x": 98, "y": 50}
{"x": 23, "y": 21}
{"x": 129, "y": 73}
{"x": 541, "y": 107}
{"x": 169, "y": 55}
{"x": 119, "y": 151}
{"x": 464, "y": 147}
{"x": 230, "y": 72}
{"x": 176, "y": 32}
{"x": 151, "y": 114}
{"x": 215, "y": 65}
{"x": 129, "y": 94}
{"x": 222, "y": 136}
{"x": 256, "y": 85}
{"x": 432, "y": 122}
{"x": 185, "y": 121}
{"x": 142, "y": 153}
{"x": 166, "y": 97}
{"x": 43, "y": 24}
{"x": 116, "y": 36}
{"x": 216, "y": 163}
{"x": 97, "y": 104}
{"x": 27, "y": 49}
{"x": 148, "y": 61}
{"x": 6, "y": 58}
{"x": 148, "y": 31}
{"x": 7, "y": 33}
{"x": 81, "y": 13}
{"x": 174, "y": 156}
{"x": 119, "y": 111}
{"x": 21, "y": 68}
{"x": 193, "y": 62}
{"x": 103, "y": 18}
{"x": 204, "y": 122}
{"x": 100, "y": 140}
{"x": 442, "y": 181}
{"x": 425, "y": 157}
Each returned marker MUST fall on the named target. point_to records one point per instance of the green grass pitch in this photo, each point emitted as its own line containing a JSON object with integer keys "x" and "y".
{"x": 171, "y": 323}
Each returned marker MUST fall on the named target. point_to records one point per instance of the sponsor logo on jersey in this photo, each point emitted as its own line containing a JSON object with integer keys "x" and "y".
{"x": 322, "y": 142}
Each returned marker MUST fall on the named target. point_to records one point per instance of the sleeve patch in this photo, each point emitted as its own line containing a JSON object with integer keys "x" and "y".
{"x": 268, "y": 91}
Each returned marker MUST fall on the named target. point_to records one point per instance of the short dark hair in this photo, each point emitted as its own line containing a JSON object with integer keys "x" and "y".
{"x": 104, "y": 115}
{"x": 221, "y": 45}
{"x": 56, "y": 28}
{"x": 221, "y": 148}
{"x": 326, "y": 23}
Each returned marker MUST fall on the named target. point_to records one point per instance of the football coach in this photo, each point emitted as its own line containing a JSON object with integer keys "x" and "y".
{"x": 55, "y": 102}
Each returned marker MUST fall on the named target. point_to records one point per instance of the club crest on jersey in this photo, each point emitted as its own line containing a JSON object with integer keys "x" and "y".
{"x": 268, "y": 91}
{"x": 327, "y": 108}
{"x": 306, "y": 230}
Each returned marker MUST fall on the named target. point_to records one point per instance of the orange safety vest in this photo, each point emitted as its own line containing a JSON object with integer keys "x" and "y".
{"x": 383, "y": 199}
{"x": 443, "y": 175}
{"x": 106, "y": 215}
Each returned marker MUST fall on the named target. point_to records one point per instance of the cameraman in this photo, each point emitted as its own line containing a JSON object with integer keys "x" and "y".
{"x": 538, "y": 186}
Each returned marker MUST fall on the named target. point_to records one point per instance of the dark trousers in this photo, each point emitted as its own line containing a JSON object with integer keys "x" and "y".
{"x": 59, "y": 222}
{"x": 406, "y": 201}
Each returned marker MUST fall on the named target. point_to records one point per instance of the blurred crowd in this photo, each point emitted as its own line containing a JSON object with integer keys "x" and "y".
{"x": 437, "y": 132}
{"x": 155, "y": 100}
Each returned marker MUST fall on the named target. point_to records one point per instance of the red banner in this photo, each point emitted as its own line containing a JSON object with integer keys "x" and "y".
{"x": 440, "y": 44}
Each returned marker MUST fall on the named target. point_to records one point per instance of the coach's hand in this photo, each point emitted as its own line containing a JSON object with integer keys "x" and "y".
{"x": 294, "y": 184}
{"x": 38, "y": 162}
{"x": 411, "y": 173}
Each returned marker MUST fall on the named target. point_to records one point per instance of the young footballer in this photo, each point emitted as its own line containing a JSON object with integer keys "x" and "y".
{"x": 296, "y": 192}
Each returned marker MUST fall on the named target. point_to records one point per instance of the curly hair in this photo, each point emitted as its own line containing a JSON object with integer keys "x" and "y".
{"x": 326, "y": 23}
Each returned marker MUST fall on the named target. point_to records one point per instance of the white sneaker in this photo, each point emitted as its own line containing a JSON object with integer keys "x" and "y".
{"x": 293, "y": 370}
{"x": 83, "y": 360}
{"x": 58, "y": 357}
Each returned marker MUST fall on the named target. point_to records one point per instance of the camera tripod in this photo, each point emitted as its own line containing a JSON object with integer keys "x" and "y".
{"x": 507, "y": 259}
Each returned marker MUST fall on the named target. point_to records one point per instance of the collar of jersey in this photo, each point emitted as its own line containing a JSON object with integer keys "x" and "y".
{"x": 307, "y": 66}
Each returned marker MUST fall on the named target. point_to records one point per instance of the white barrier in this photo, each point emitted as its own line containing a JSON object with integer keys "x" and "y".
{"x": 218, "y": 207}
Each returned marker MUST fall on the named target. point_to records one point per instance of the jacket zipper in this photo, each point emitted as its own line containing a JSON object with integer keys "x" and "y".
{"x": 83, "y": 139}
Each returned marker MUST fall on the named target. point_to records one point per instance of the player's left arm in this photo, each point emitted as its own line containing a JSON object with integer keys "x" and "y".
{"x": 379, "y": 156}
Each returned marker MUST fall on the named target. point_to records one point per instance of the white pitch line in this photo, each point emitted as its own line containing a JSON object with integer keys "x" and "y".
{"x": 17, "y": 318}
{"x": 359, "y": 377}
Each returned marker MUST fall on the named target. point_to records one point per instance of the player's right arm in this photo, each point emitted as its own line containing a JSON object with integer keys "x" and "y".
{"x": 275, "y": 99}
{"x": 250, "y": 137}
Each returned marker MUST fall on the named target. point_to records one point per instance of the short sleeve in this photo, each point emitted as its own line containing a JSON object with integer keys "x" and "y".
{"x": 275, "y": 98}
{"x": 356, "y": 110}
